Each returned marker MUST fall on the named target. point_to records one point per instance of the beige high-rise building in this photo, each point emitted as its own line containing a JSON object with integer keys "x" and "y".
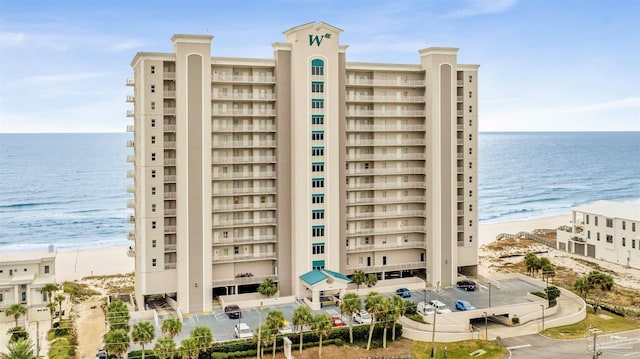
{"x": 246, "y": 169}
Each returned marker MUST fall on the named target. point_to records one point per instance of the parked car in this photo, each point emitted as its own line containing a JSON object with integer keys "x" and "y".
{"x": 403, "y": 292}
{"x": 464, "y": 305}
{"x": 362, "y": 317}
{"x": 440, "y": 307}
{"x": 425, "y": 308}
{"x": 242, "y": 331}
{"x": 467, "y": 285}
{"x": 337, "y": 322}
{"x": 233, "y": 311}
{"x": 102, "y": 354}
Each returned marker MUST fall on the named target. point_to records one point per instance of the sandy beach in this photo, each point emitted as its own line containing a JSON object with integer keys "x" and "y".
{"x": 76, "y": 264}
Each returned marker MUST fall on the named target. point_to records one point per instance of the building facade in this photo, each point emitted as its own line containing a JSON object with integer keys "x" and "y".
{"x": 604, "y": 230}
{"x": 22, "y": 276}
{"x": 246, "y": 169}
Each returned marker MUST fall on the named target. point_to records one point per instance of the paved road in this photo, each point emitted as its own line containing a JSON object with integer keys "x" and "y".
{"x": 618, "y": 345}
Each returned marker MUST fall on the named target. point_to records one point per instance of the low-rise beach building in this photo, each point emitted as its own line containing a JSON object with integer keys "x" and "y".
{"x": 22, "y": 276}
{"x": 605, "y": 230}
{"x": 248, "y": 168}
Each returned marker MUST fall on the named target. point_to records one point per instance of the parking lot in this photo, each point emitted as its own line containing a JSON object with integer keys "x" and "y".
{"x": 512, "y": 291}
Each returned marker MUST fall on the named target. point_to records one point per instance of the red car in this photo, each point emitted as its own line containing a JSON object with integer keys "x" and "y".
{"x": 337, "y": 322}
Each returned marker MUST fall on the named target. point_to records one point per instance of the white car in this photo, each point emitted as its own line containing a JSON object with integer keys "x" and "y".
{"x": 362, "y": 317}
{"x": 242, "y": 331}
{"x": 441, "y": 308}
{"x": 425, "y": 309}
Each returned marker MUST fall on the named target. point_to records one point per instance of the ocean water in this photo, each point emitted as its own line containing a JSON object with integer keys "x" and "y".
{"x": 69, "y": 190}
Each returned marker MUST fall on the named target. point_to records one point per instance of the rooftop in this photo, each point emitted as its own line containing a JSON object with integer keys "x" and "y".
{"x": 624, "y": 210}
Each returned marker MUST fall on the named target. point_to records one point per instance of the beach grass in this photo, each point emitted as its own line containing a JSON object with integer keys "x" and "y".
{"x": 605, "y": 322}
{"x": 422, "y": 350}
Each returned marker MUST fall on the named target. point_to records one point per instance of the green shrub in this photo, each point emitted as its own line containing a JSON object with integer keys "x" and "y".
{"x": 17, "y": 333}
{"x": 338, "y": 342}
{"x": 515, "y": 320}
{"x": 410, "y": 307}
{"x": 148, "y": 354}
{"x": 539, "y": 294}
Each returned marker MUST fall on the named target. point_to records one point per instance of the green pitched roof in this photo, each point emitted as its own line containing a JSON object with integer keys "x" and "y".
{"x": 316, "y": 276}
{"x": 338, "y": 275}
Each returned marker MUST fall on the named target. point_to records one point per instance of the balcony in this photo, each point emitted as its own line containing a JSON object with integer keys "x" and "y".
{"x": 169, "y": 195}
{"x": 169, "y": 162}
{"x": 369, "y": 98}
{"x": 169, "y": 75}
{"x": 244, "y": 257}
{"x": 388, "y": 214}
{"x": 169, "y": 111}
{"x": 130, "y": 82}
{"x": 170, "y": 178}
{"x": 170, "y": 265}
{"x": 169, "y": 94}
{"x": 130, "y": 128}
{"x": 170, "y": 212}
{"x": 243, "y": 190}
{"x": 169, "y": 229}
{"x": 243, "y": 175}
{"x": 243, "y": 112}
{"x": 243, "y": 280}
{"x": 388, "y": 230}
{"x": 131, "y": 158}
{"x": 131, "y": 173}
{"x": 384, "y": 185}
{"x": 131, "y": 218}
{"x": 460, "y": 112}
{"x": 131, "y": 98}
{"x": 387, "y": 113}
{"x": 244, "y": 144}
{"x": 386, "y": 200}
{"x": 260, "y": 79}
{"x": 131, "y": 252}
{"x": 131, "y": 235}
{"x": 384, "y": 157}
{"x": 394, "y": 142}
{"x": 245, "y": 222}
{"x": 243, "y": 206}
{"x": 376, "y": 82}
{"x": 131, "y": 203}
{"x": 460, "y": 83}
{"x": 385, "y": 268}
{"x": 385, "y": 128}
{"x": 243, "y": 128}
{"x": 386, "y": 171}
{"x": 130, "y": 143}
{"x": 245, "y": 159}
{"x": 131, "y": 188}
{"x": 385, "y": 246}
{"x": 170, "y": 247}
{"x": 169, "y": 145}
{"x": 459, "y": 98}
{"x": 255, "y": 96}
{"x": 243, "y": 240}
{"x": 169, "y": 128}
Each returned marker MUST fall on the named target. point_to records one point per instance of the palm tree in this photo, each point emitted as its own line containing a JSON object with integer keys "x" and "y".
{"x": 268, "y": 287}
{"x": 189, "y": 349}
{"x": 116, "y": 342}
{"x": 399, "y": 308}
{"x": 600, "y": 280}
{"x": 264, "y": 337}
{"x": 275, "y": 321}
{"x": 358, "y": 277}
{"x": 49, "y": 288}
{"x": 301, "y": 316}
{"x": 165, "y": 348}
{"x": 322, "y": 326}
{"x": 52, "y": 310}
{"x": 531, "y": 261}
{"x": 172, "y": 327}
{"x": 17, "y": 310}
{"x": 371, "y": 280}
{"x": 203, "y": 337}
{"x": 374, "y": 303}
{"x": 118, "y": 315}
{"x": 59, "y": 299}
{"x": 143, "y": 333}
{"x": 350, "y": 305}
{"x": 19, "y": 349}
{"x": 582, "y": 286}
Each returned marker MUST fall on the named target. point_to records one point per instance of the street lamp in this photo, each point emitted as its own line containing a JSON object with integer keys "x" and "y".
{"x": 486, "y": 331}
{"x": 542, "y": 306}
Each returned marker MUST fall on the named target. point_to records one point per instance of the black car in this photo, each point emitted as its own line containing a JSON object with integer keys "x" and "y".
{"x": 466, "y": 285}
{"x": 233, "y": 311}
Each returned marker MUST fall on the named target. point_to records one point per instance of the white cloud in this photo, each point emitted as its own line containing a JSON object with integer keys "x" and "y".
{"x": 483, "y": 7}
{"x": 11, "y": 38}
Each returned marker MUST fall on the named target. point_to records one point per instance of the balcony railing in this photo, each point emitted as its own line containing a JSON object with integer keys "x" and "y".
{"x": 131, "y": 173}
{"x": 243, "y": 112}
{"x": 169, "y": 128}
{"x": 169, "y": 110}
{"x": 245, "y": 222}
{"x": 244, "y": 159}
{"x": 383, "y": 185}
{"x": 390, "y": 127}
{"x": 170, "y": 212}
{"x": 169, "y": 161}
{"x": 394, "y": 142}
{"x": 131, "y": 235}
{"x": 130, "y": 143}
{"x": 385, "y": 268}
{"x": 170, "y": 265}
{"x": 384, "y": 157}
{"x": 130, "y": 82}
{"x": 131, "y": 203}
{"x": 241, "y": 144}
{"x": 389, "y": 214}
{"x": 387, "y": 230}
{"x": 243, "y": 280}
{"x": 169, "y": 94}
{"x": 170, "y": 247}
{"x": 170, "y": 178}
{"x": 244, "y": 174}
{"x": 262, "y": 79}
{"x": 386, "y": 171}
{"x": 131, "y": 98}
{"x": 243, "y": 128}
{"x": 169, "y": 229}
{"x": 169, "y": 75}
{"x": 243, "y": 240}
{"x": 244, "y": 257}
{"x": 254, "y": 96}
{"x": 131, "y": 158}
{"x": 169, "y": 145}
{"x": 378, "y": 82}
{"x": 131, "y": 188}
{"x": 385, "y": 246}
{"x": 386, "y": 113}
{"x": 244, "y": 206}
{"x": 130, "y": 128}
{"x": 370, "y": 98}
{"x": 169, "y": 195}
{"x": 244, "y": 190}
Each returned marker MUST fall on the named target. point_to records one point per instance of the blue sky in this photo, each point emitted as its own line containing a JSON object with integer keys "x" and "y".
{"x": 561, "y": 65}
